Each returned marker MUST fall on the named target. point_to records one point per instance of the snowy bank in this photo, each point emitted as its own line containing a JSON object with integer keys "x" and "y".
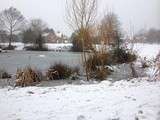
{"x": 143, "y": 50}
{"x": 134, "y": 100}
{"x": 50, "y": 46}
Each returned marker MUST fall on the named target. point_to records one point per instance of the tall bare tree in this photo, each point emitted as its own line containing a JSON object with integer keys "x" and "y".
{"x": 109, "y": 29}
{"x": 80, "y": 16}
{"x": 11, "y": 21}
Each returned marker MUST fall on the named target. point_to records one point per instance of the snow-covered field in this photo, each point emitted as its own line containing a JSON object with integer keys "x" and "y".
{"x": 134, "y": 100}
{"x": 138, "y": 99}
{"x": 147, "y": 50}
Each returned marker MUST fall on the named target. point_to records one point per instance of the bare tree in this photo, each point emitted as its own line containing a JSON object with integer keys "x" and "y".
{"x": 11, "y": 21}
{"x": 81, "y": 13}
{"x": 80, "y": 16}
{"x": 109, "y": 29}
{"x": 38, "y": 26}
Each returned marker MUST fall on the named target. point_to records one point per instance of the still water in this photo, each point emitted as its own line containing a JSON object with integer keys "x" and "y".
{"x": 40, "y": 60}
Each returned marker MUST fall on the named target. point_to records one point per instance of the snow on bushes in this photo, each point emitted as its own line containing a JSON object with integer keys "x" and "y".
{"x": 121, "y": 55}
{"x": 157, "y": 73}
{"x": 97, "y": 62}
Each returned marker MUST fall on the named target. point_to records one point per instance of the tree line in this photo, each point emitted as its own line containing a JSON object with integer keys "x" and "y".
{"x": 148, "y": 36}
{"x": 14, "y": 24}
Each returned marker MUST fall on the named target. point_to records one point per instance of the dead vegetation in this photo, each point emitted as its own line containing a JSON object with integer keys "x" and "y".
{"x": 61, "y": 71}
{"x": 4, "y": 74}
{"x": 157, "y": 73}
{"x": 28, "y": 77}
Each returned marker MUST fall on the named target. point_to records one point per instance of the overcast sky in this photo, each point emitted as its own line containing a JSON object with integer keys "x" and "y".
{"x": 140, "y": 13}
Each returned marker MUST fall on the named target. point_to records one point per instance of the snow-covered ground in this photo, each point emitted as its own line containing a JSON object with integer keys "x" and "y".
{"x": 134, "y": 100}
{"x": 61, "y": 46}
{"x": 147, "y": 50}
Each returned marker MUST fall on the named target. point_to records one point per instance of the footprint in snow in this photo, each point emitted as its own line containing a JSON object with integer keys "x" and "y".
{"x": 81, "y": 117}
{"x": 30, "y": 92}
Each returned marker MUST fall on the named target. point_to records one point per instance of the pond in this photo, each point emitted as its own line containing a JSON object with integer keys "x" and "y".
{"x": 40, "y": 60}
{"x": 43, "y": 60}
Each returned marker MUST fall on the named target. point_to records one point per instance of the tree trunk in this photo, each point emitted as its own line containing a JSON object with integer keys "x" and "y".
{"x": 86, "y": 69}
{"x": 84, "y": 56}
{"x": 10, "y": 39}
{"x": 84, "y": 60}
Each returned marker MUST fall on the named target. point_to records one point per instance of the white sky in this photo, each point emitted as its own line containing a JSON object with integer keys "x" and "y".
{"x": 140, "y": 13}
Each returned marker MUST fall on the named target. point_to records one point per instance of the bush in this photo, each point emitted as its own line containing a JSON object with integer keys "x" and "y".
{"x": 4, "y": 74}
{"x": 120, "y": 55}
{"x": 98, "y": 59}
{"x": 60, "y": 71}
{"x": 157, "y": 62}
{"x": 27, "y": 77}
{"x": 115, "y": 56}
{"x": 35, "y": 48}
{"x": 144, "y": 63}
{"x": 9, "y": 47}
{"x": 96, "y": 65}
{"x": 101, "y": 74}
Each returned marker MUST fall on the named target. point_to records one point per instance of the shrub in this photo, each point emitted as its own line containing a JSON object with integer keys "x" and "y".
{"x": 4, "y": 74}
{"x": 157, "y": 62}
{"x": 101, "y": 74}
{"x": 101, "y": 60}
{"x": 144, "y": 63}
{"x": 120, "y": 55}
{"x": 9, "y": 47}
{"x": 75, "y": 73}
{"x": 59, "y": 71}
{"x": 35, "y": 48}
{"x": 96, "y": 65}
{"x": 115, "y": 56}
{"x": 27, "y": 77}
{"x": 98, "y": 59}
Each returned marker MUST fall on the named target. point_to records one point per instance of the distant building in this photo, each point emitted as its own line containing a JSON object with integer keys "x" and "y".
{"x": 52, "y": 37}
